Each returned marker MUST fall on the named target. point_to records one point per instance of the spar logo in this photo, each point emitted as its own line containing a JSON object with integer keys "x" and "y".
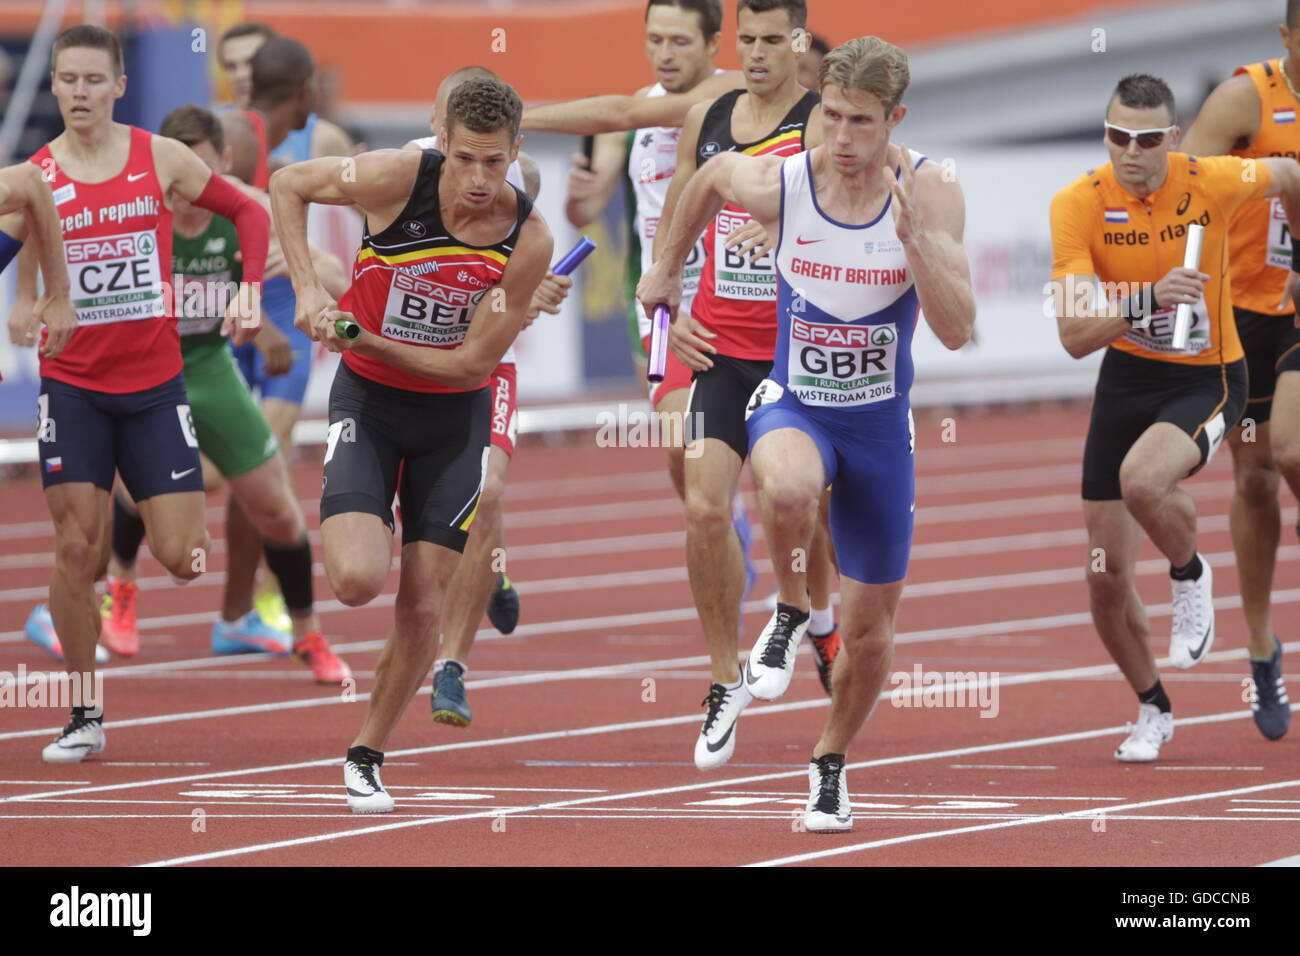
{"x": 109, "y": 247}
{"x": 883, "y": 335}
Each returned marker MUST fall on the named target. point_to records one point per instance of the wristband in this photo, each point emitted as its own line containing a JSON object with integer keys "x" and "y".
{"x": 1140, "y": 306}
{"x": 1295, "y": 254}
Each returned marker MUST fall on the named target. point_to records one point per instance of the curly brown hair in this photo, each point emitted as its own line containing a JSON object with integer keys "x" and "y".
{"x": 485, "y": 106}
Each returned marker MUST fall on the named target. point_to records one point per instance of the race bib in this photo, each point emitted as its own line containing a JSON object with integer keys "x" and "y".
{"x": 202, "y": 303}
{"x": 1158, "y": 334}
{"x": 841, "y": 365}
{"x": 748, "y": 277}
{"x": 115, "y": 278}
{"x": 424, "y": 312}
{"x": 692, "y": 270}
{"x": 1278, "y": 250}
{"x": 766, "y": 393}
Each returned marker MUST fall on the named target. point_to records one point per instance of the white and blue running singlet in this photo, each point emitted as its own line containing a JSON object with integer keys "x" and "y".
{"x": 846, "y": 310}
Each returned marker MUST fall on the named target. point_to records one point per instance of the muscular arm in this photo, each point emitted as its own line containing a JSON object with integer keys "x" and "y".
{"x": 686, "y": 169}
{"x": 937, "y": 257}
{"x": 605, "y": 114}
{"x": 497, "y": 320}
{"x": 23, "y": 190}
{"x": 1229, "y": 119}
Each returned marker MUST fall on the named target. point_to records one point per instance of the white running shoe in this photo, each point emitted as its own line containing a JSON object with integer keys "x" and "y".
{"x": 1145, "y": 737}
{"x": 771, "y": 662}
{"x": 366, "y": 793}
{"x": 717, "y": 740}
{"x": 83, "y": 736}
{"x": 1193, "y": 629}
{"x": 828, "y": 809}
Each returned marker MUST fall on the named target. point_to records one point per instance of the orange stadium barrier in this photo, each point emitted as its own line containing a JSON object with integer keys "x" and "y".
{"x": 561, "y": 49}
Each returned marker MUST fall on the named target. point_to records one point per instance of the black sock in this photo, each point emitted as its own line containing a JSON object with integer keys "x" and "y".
{"x": 1156, "y": 695}
{"x": 1188, "y": 572}
{"x": 88, "y": 713}
{"x": 364, "y": 755}
{"x": 128, "y": 532}
{"x": 797, "y": 616}
{"x": 291, "y": 566}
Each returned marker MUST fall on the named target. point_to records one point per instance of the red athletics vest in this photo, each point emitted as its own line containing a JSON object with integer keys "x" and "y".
{"x": 262, "y": 174}
{"x": 415, "y": 283}
{"x": 117, "y": 240}
{"x": 737, "y": 294}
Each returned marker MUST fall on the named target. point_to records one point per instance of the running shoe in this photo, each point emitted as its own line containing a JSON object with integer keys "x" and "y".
{"x": 503, "y": 605}
{"x": 449, "y": 704}
{"x": 745, "y": 532}
{"x": 82, "y": 737}
{"x": 1193, "y": 630}
{"x": 1145, "y": 737}
{"x": 40, "y": 630}
{"x": 771, "y": 662}
{"x": 366, "y": 793}
{"x": 828, "y": 809}
{"x": 717, "y": 740}
{"x": 826, "y": 647}
{"x": 270, "y": 608}
{"x": 117, "y": 626}
{"x": 249, "y": 635}
{"x": 326, "y": 666}
{"x": 1270, "y": 706}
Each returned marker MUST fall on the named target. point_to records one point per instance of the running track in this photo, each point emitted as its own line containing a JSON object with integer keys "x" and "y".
{"x": 585, "y": 717}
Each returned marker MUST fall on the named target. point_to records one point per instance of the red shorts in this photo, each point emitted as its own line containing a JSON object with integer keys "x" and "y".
{"x": 676, "y": 375}
{"x": 503, "y": 389}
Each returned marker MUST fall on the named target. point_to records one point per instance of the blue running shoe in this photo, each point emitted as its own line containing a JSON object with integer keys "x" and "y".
{"x": 449, "y": 704}
{"x": 1270, "y": 708}
{"x": 740, "y": 521}
{"x": 249, "y": 635}
{"x": 40, "y": 630}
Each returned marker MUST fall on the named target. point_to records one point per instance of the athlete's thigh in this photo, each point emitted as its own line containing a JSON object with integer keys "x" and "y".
{"x": 1114, "y": 536}
{"x": 281, "y": 415}
{"x": 718, "y": 399}
{"x": 873, "y": 500}
{"x": 231, "y": 429}
{"x": 357, "y": 539}
{"x": 712, "y": 471}
{"x": 171, "y": 515}
{"x": 427, "y": 569}
{"x": 363, "y": 455}
{"x": 157, "y": 446}
{"x": 1204, "y": 408}
{"x": 266, "y": 488}
{"x": 75, "y": 436}
{"x": 1284, "y": 439}
{"x": 1162, "y": 456}
{"x": 444, "y": 470}
{"x": 80, "y": 512}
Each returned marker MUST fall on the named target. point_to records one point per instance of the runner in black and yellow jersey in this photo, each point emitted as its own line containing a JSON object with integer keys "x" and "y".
{"x": 1254, "y": 114}
{"x": 1160, "y": 412}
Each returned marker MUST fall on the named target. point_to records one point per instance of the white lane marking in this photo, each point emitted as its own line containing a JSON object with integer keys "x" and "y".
{"x": 1158, "y": 767}
{"x": 1070, "y": 814}
{"x": 684, "y": 788}
{"x": 1000, "y": 766}
{"x": 1285, "y": 861}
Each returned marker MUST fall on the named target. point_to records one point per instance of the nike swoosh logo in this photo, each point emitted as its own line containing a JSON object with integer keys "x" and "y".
{"x": 133, "y": 178}
{"x": 749, "y": 676}
{"x": 178, "y": 477}
{"x": 806, "y": 242}
{"x": 714, "y": 748}
{"x": 1196, "y": 654}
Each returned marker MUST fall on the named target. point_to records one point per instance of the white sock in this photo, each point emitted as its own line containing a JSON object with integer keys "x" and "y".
{"x": 821, "y": 621}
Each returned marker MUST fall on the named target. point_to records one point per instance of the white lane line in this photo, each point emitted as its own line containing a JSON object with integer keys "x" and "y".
{"x": 1205, "y": 768}
{"x": 1001, "y": 766}
{"x": 917, "y": 796}
{"x": 43, "y": 783}
{"x": 981, "y": 828}
{"x": 1285, "y": 861}
{"x": 660, "y": 791}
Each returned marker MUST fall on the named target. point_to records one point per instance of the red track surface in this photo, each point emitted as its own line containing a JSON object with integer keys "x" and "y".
{"x": 585, "y": 717}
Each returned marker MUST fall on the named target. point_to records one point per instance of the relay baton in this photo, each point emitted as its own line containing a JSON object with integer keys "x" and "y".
{"x": 658, "y": 344}
{"x": 346, "y": 328}
{"x": 1191, "y": 260}
{"x": 573, "y": 258}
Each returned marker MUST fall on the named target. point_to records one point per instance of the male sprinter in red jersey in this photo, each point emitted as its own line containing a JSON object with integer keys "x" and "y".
{"x": 480, "y": 580}
{"x": 442, "y": 284}
{"x": 835, "y": 408}
{"x": 113, "y": 399}
{"x": 1254, "y": 114}
{"x": 27, "y": 210}
{"x": 1161, "y": 409}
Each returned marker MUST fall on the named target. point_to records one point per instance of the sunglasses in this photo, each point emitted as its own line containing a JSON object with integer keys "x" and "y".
{"x": 1147, "y": 138}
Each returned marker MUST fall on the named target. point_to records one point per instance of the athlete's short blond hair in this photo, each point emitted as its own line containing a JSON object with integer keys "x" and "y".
{"x": 868, "y": 64}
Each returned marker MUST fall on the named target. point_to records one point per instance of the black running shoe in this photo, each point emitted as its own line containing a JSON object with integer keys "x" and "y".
{"x": 1271, "y": 708}
{"x": 449, "y": 704}
{"x": 503, "y": 605}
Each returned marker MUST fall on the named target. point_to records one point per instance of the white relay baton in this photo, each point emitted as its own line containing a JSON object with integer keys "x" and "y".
{"x": 1191, "y": 260}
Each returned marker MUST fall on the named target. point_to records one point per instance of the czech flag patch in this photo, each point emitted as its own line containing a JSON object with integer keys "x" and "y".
{"x": 54, "y": 464}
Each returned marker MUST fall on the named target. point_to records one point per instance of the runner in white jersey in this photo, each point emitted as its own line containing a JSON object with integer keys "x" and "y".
{"x": 869, "y": 234}
{"x": 481, "y": 577}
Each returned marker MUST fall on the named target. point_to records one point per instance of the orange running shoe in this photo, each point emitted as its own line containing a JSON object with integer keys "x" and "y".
{"x": 118, "y": 630}
{"x": 315, "y": 651}
{"x": 826, "y": 648}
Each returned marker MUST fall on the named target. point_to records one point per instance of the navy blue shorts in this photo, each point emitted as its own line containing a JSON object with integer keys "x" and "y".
{"x": 147, "y": 437}
{"x": 872, "y": 475}
{"x": 278, "y": 304}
